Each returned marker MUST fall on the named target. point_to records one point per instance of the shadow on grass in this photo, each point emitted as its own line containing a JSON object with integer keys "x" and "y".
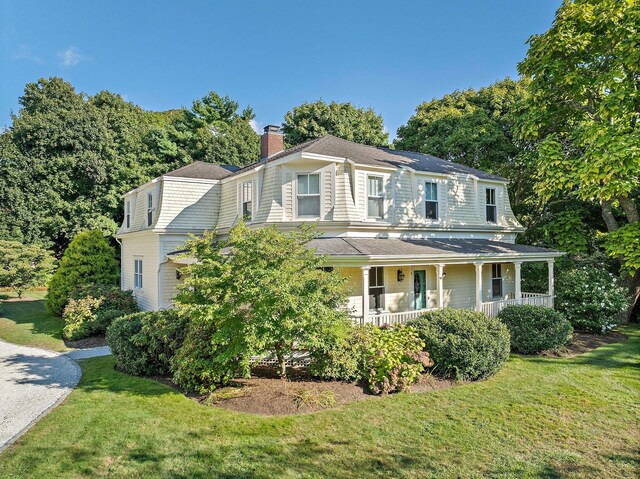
{"x": 33, "y": 312}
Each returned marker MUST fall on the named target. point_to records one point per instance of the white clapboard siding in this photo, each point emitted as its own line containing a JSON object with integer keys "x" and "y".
{"x": 189, "y": 206}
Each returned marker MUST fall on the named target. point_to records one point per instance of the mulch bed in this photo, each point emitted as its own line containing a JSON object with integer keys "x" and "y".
{"x": 90, "y": 342}
{"x": 585, "y": 342}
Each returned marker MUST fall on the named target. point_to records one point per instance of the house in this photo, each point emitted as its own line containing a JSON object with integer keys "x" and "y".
{"x": 410, "y": 231}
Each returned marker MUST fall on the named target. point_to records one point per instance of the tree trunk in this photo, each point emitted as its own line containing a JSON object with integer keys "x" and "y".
{"x": 630, "y": 209}
{"x": 281, "y": 361}
{"x": 607, "y": 216}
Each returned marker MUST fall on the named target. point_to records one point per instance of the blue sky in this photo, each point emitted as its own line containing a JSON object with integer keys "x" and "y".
{"x": 271, "y": 55}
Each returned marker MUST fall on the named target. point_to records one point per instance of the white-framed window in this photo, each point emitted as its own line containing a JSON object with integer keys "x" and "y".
{"x": 491, "y": 208}
{"x": 128, "y": 214}
{"x": 375, "y": 197}
{"x": 247, "y": 200}
{"x": 150, "y": 209}
{"x": 376, "y": 287}
{"x": 308, "y": 194}
{"x": 431, "y": 200}
{"x": 496, "y": 280}
{"x": 137, "y": 273}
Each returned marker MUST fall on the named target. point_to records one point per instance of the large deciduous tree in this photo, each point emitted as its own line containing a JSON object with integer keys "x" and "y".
{"x": 583, "y": 106}
{"x": 24, "y": 266}
{"x": 344, "y": 120}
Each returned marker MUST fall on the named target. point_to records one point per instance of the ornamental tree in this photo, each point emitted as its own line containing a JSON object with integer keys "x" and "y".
{"x": 259, "y": 292}
{"x": 24, "y": 266}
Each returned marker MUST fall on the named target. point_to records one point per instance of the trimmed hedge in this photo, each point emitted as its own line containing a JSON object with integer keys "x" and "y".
{"x": 535, "y": 328}
{"x": 464, "y": 344}
{"x": 145, "y": 343}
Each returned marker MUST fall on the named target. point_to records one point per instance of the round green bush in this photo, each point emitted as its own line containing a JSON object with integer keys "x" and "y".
{"x": 463, "y": 344}
{"x": 144, "y": 344}
{"x": 591, "y": 298}
{"x": 89, "y": 259}
{"x": 341, "y": 356}
{"x": 535, "y": 328}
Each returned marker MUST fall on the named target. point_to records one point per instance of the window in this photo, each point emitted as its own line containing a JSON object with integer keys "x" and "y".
{"x": 496, "y": 280}
{"x": 491, "y": 204}
{"x": 149, "y": 209}
{"x": 375, "y": 197}
{"x": 431, "y": 200}
{"x": 128, "y": 214}
{"x": 376, "y": 287}
{"x": 309, "y": 195}
{"x": 137, "y": 273}
{"x": 247, "y": 199}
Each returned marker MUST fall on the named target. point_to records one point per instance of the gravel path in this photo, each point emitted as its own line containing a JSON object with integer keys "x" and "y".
{"x": 32, "y": 382}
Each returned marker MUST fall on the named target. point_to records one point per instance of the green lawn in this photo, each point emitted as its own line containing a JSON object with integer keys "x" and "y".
{"x": 539, "y": 417}
{"x": 28, "y": 323}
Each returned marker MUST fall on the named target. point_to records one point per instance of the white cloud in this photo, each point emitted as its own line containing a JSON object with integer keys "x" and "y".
{"x": 24, "y": 53}
{"x": 71, "y": 57}
{"x": 256, "y": 125}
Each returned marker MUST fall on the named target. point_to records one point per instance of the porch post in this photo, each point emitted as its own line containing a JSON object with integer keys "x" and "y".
{"x": 518, "y": 265}
{"x": 440, "y": 278}
{"x": 365, "y": 293}
{"x": 551, "y": 285}
{"x": 479, "y": 286}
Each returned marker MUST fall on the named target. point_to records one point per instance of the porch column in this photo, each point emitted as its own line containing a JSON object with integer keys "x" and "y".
{"x": 479, "y": 286}
{"x": 440, "y": 279}
{"x": 551, "y": 285}
{"x": 365, "y": 293}
{"x": 518, "y": 265}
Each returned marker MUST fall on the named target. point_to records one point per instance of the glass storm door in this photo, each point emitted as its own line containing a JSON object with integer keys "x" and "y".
{"x": 419, "y": 290}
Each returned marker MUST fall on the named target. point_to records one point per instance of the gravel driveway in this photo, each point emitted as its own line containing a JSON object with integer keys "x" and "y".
{"x": 32, "y": 382}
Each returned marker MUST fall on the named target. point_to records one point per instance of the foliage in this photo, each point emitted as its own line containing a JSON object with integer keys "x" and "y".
{"x": 625, "y": 243}
{"x": 145, "y": 343}
{"x": 91, "y": 310}
{"x": 24, "y": 266}
{"x": 582, "y": 108}
{"x": 341, "y": 356}
{"x": 89, "y": 259}
{"x": 344, "y": 120}
{"x": 270, "y": 294}
{"x": 464, "y": 344}
{"x": 591, "y": 298}
{"x": 535, "y": 328}
{"x": 395, "y": 359}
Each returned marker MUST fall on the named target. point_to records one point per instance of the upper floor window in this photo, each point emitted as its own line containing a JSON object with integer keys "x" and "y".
{"x": 137, "y": 273}
{"x": 247, "y": 200}
{"x": 376, "y": 288}
{"x": 309, "y": 194}
{"x": 491, "y": 205}
{"x": 149, "y": 209}
{"x": 128, "y": 214}
{"x": 496, "y": 280}
{"x": 375, "y": 197}
{"x": 431, "y": 200}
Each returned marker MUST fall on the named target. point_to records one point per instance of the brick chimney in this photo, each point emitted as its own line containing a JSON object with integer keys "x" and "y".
{"x": 271, "y": 141}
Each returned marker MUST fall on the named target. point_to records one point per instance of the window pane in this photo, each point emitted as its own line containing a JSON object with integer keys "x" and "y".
{"x": 303, "y": 184}
{"x": 431, "y": 191}
{"x": 246, "y": 191}
{"x": 496, "y": 287}
{"x": 374, "y": 186}
{"x": 432, "y": 210}
{"x": 491, "y": 196}
{"x": 246, "y": 209}
{"x": 491, "y": 214}
{"x": 375, "y": 207}
{"x": 309, "y": 206}
{"x": 149, "y": 200}
{"x": 314, "y": 184}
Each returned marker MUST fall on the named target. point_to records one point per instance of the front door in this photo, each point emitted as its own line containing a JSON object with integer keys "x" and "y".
{"x": 419, "y": 290}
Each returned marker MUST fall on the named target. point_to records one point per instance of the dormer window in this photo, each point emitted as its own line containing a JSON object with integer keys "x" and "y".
{"x": 149, "y": 209}
{"x": 128, "y": 214}
{"x": 308, "y": 195}
{"x": 431, "y": 200}
{"x": 247, "y": 200}
{"x": 491, "y": 209}
{"x": 375, "y": 197}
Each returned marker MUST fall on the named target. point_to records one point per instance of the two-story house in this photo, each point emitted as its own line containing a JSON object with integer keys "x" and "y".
{"x": 410, "y": 231}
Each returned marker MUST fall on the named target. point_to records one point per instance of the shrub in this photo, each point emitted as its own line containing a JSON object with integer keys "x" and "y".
{"x": 89, "y": 259}
{"x": 464, "y": 344}
{"x": 145, "y": 343}
{"x": 341, "y": 356}
{"x": 92, "y": 314}
{"x": 395, "y": 359}
{"x": 535, "y": 328}
{"x": 24, "y": 266}
{"x": 591, "y": 298}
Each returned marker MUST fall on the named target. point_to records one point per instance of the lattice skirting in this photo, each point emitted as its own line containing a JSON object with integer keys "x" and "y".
{"x": 296, "y": 359}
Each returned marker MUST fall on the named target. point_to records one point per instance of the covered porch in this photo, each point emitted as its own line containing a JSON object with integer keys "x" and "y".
{"x": 397, "y": 280}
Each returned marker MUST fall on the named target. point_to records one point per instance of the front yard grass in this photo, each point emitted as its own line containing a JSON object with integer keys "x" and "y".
{"x": 28, "y": 323}
{"x": 538, "y": 418}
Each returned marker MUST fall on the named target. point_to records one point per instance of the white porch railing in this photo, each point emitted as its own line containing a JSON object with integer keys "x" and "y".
{"x": 492, "y": 308}
{"x": 380, "y": 319}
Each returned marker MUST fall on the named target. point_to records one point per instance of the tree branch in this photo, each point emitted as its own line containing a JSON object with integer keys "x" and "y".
{"x": 630, "y": 209}
{"x": 607, "y": 216}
